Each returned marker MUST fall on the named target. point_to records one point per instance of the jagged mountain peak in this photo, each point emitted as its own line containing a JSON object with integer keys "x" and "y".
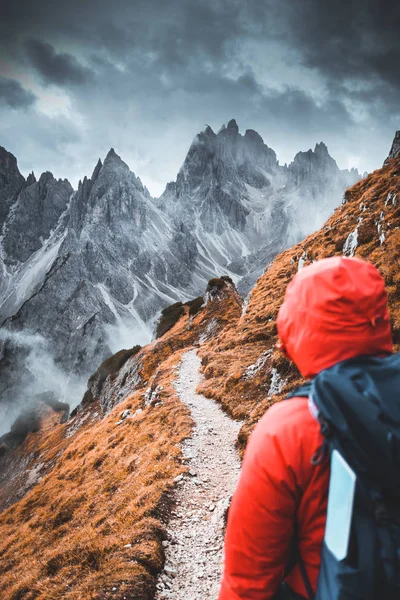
{"x": 30, "y": 222}
{"x": 8, "y": 167}
{"x": 395, "y": 149}
{"x": 11, "y": 183}
{"x": 229, "y": 176}
{"x": 208, "y": 131}
{"x": 46, "y": 177}
{"x": 319, "y": 157}
{"x": 232, "y": 126}
{"x": 114, "y": 168}
{"x": 205, "y": 135}
{"x": 31, "y": 179}
{"x": 229, "y": 131}
{"x": 108, "y": 175}
{"x": 96, "y": 171}
{"x": 111, "y": 153}
{"x": 113, "y": 159}
{"x": 5, "y": 155}
{"x": 228, "y": 146}
{"x": 321, "y": 149}
{"x": 253, "y": 136}
{"x": 315, "y": 166}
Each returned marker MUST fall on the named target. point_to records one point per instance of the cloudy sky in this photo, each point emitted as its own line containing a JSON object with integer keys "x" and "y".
{"x": 144, "y": 76}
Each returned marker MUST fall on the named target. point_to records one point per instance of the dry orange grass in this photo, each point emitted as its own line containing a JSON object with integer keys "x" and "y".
{"x": 92, "y": 527}
{"x": 68, "y": 537}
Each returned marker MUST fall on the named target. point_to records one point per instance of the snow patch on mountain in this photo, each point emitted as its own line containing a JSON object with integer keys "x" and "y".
{"x": 351, "y": 243}
{"x": 28, "y": 278}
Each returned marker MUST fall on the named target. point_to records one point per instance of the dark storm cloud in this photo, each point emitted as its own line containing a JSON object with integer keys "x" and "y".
{"x": 357, "y": 39}
{"x": 58, "y": 68}
{"x": 143, "y": 75}
{"x": 14, "y": 95}
{"x": 173, "y": 29}
{"x": 310, "y": 116}
{"x": 353, "y": 38}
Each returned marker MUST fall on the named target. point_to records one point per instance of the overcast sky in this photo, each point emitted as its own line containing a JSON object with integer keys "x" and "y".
{"x": 145, "y": 76}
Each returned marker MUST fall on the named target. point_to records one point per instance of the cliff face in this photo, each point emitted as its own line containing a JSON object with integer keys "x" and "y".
{"x": 395, "y": 149}
{"x": 84, "y": 273}
{"x": 245, "y": 206}
{"x": 11, "y": 182}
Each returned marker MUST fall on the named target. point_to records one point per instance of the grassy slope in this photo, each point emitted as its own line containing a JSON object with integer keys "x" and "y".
{"x": 105, "y": 485}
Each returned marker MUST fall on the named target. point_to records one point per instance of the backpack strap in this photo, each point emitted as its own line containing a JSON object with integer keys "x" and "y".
{"x": 303, "y": 391}
{"x": 295, "y": 559}
{"x": 304, "y": 575}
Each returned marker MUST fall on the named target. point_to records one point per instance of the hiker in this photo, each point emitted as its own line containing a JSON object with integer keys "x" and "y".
{"x": 334, "y": 310}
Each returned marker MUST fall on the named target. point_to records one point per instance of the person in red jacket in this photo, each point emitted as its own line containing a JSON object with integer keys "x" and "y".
{"x": 334, "y": 309}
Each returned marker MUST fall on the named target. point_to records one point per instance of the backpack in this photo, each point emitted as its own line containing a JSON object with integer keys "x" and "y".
{"x": 358, "y": 403}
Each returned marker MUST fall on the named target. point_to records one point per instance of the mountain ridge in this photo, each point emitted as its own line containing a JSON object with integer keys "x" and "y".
{"x": 90, "y": 270}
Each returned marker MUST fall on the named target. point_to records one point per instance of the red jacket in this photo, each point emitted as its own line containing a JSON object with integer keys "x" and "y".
{"x": 333, "y": 310}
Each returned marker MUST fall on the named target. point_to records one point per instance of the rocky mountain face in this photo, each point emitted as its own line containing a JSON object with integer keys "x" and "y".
{"x": 86, "y": 273}
{"x": 395, "y": 149}
{"x": 11, "y": 182}
{"x": 244, "y": 207}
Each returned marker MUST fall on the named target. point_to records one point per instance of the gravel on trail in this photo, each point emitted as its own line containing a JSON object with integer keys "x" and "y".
{"x": 194, "y": 549}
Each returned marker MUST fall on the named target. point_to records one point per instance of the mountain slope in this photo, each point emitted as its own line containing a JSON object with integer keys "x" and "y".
{"x": 94, "y": 489}
{"x": 243, "y": 369}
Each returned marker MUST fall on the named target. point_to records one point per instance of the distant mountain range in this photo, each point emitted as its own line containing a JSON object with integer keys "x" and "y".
{"x": 86, "y": 272}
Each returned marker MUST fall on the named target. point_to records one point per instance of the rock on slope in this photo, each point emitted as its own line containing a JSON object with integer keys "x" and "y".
{"x": 86, "y": 273}
{"x": 91, "y": 496}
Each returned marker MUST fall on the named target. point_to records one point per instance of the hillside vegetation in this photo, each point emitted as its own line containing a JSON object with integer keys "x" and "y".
{"x": 85, "y": 502}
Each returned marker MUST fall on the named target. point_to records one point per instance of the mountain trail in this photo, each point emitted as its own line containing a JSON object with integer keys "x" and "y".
{"x": 194, "y": 550}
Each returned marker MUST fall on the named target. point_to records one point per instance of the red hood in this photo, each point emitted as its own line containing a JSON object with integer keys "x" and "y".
{"x": 333, "y": 310}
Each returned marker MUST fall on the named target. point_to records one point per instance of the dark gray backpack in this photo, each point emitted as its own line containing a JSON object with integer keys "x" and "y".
{"x": 358, "y": 402}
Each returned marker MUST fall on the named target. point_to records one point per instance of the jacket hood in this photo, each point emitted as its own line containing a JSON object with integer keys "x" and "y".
{"x": 334, "y": 309}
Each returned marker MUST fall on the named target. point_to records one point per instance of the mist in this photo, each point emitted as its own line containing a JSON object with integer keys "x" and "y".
{"x": 42, "y": 375}
{"x": 126, "y": 333}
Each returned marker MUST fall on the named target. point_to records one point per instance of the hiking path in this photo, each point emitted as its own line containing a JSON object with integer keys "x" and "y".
{"x": 194, "y": 549}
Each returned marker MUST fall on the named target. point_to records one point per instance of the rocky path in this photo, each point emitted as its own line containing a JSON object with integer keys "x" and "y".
{"x": 194, "y": 550}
